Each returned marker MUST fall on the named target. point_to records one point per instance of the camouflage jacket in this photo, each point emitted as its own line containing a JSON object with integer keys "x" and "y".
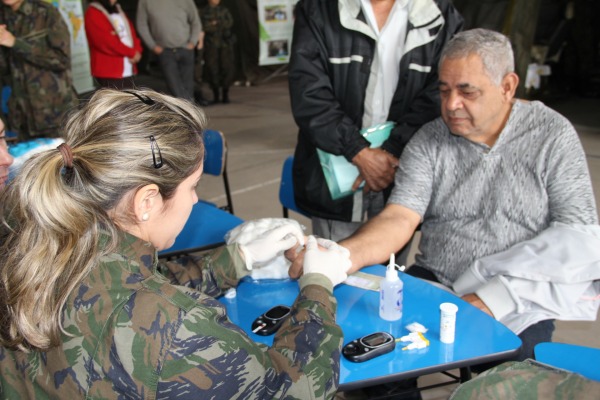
{"x": 217, "y": 23}
{"x": 38, "y": 68}
{"x": 131, "y": 333}
{"x": 528, "y": 379}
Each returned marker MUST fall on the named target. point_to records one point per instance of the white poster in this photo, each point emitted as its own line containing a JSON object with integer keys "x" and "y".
{"x": 72, "y": 12}
{"x": 276, "y": 25}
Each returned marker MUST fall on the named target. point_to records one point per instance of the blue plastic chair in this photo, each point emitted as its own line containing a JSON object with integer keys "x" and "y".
{"x": 6, "y": 92}
{"x": 286, "y": 189}
{"x": 208, "y": 223}
{"x": 215, "y": 161}
{"x": 579, "y": 359}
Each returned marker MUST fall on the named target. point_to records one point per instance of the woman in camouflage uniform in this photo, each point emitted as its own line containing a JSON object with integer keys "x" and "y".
{"x": 87, "y": 309}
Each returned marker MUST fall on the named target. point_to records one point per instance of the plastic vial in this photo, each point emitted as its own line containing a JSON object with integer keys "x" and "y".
{"x": 447, "y": 322}
{"x": 391, "y": 294}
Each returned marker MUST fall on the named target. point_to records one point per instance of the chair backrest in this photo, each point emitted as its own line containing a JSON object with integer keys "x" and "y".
{"x": 215, "y": 161}
{"x": 6, "y": 91}
{"x": 205, "y": 229}
{"x": 286, "y": 189}
{"x": 215, "y": 156}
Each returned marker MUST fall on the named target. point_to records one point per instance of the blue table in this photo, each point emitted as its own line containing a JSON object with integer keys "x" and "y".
{"x": 479, "y": 337}
{"x": 580, "y": 359}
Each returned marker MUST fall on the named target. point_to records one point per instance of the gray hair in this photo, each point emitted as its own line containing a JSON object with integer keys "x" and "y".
{"x": 492, "y": 47}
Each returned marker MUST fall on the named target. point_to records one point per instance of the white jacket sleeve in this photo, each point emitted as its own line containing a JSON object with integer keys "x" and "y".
{"x": 555, "y": 275}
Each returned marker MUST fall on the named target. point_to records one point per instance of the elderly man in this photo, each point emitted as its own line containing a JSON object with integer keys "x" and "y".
{"x": 491, "y": 173}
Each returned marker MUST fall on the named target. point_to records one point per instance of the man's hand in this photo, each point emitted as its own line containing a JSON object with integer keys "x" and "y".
{"x": 475, "y": 301}
{"x": 327, "y": 258}
{"x": 297, "y": 267}
{"x": 296, "y": 256}
{"x": 377, "y": 167}
{"x": 157, "y": 50}
{"x": 7, "y": 39}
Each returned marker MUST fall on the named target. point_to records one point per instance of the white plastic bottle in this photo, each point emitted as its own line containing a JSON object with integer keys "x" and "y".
{"x": 391, "y": 293}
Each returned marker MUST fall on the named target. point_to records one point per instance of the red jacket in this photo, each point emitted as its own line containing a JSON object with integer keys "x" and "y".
{"x": 106, "y": 49}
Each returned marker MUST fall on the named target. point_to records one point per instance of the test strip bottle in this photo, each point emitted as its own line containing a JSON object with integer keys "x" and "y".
{"x": 447, "y": 322}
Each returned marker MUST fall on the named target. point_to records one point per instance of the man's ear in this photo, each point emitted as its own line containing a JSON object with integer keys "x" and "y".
{"x": 146, "y": 200}
{"x": 509, "y": 84}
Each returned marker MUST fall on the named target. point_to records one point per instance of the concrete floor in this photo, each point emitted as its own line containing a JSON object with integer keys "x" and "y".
{"x": 261, "y": 133}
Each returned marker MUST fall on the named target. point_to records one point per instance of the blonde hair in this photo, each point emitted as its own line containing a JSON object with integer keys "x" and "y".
{"x": 53, "y": 216}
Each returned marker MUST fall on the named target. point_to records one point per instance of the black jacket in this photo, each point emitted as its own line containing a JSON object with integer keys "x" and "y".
{"x": 329, "y": 68}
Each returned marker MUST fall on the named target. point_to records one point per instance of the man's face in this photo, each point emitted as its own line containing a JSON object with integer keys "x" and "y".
{"x": 473, "y": 106}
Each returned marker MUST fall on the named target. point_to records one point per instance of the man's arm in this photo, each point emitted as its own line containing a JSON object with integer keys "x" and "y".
{"x": 143, "y": 28}
{"x": 382, "y": 235}
{"x": 48, "y": 48}
{"x": 195, "y": 25}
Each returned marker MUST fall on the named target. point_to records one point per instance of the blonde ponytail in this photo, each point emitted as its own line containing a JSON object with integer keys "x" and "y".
{"x": 54, "y": 215}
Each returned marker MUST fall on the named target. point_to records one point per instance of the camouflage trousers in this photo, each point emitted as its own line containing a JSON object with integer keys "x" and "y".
{"x": 220, "y": 67}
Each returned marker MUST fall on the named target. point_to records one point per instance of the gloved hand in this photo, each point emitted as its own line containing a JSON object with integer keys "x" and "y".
{"x": 333, "y": 262}
{"x": 270, "y": 244}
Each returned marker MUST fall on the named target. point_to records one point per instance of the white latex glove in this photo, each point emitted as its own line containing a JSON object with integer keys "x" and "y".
{"x": 269, "y": 244}
{"x": 333, "y": 262}
{"x": 328, "y": 244}
{"x": 252, "y": 229}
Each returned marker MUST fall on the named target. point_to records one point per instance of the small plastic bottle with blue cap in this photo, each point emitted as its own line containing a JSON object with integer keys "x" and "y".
{"x": 391, "y": 293}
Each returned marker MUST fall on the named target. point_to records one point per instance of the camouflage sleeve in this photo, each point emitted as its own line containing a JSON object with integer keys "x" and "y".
{"x": 207, "y": 16}
{"x": 212, "y": 358}
{"x": 48, "y": 45}
{"x": 4, "y": 71}
{"x": 212, "y": 273}
{"x": 226, "y": 19}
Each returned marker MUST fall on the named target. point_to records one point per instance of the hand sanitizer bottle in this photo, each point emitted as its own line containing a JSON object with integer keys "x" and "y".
{"x": 391, "y": 293}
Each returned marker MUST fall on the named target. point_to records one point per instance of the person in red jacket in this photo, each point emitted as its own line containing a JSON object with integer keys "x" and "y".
{"x": 115, "y": 48}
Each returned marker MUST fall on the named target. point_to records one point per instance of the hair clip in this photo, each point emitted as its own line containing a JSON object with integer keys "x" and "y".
{"x": 158, "y": 161}
{"x": 145, "y": 99}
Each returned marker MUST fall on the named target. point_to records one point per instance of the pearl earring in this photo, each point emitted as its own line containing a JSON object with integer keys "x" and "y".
{"x": 145, "y": 217}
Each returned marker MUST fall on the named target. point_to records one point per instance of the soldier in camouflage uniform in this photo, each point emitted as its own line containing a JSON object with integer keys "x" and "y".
{"x": 527, "y": 380}
{"x": 131, "y": 327}
{"x": 35, "y": 61}
{"x": 218, "y": 48}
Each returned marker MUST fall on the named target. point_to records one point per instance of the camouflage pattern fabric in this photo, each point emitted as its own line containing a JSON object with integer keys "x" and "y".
{"x": 131, "y": 333}
{"x": 38, "y": 68}
{"x": 527, "y": 380}
{"x": 218, "y": 46}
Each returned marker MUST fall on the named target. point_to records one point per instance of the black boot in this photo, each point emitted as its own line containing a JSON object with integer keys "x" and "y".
{"x": 225, "y": 95}
{"x": 200, "y": 100}
{"x": 215, "y": 96}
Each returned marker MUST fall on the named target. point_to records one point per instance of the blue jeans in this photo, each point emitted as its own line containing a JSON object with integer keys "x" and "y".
{"x": 178, "y": 68}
